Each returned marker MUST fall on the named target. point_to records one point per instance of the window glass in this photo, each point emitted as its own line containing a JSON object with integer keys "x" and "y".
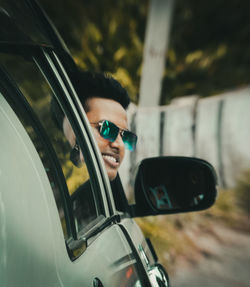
{"x": 56, "y": 143}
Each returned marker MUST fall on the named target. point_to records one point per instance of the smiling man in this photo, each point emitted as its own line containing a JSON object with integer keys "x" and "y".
{"x": 105, "y": 102}
{"x": 102, "y": 111}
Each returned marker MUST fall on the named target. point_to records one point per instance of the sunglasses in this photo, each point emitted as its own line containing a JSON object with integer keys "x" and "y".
{"x": 110, "y": 131}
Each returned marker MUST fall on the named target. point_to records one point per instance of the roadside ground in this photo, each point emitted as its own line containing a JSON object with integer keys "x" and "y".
{"x": 208, "y": 248}
{"x": 225, "y": 260}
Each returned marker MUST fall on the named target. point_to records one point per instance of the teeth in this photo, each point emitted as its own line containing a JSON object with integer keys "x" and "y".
{"x": 108, "y": 157}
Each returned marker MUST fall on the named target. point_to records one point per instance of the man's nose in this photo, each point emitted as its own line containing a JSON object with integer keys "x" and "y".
{"x": 118, "y": 143}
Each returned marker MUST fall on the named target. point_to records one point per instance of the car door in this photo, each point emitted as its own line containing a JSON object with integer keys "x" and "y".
{"x": 146, "y": 252}
{"x": 89, "y": 247}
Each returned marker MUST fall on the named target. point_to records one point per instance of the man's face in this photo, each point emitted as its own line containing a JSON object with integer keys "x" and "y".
{"x": 112, "y": 152}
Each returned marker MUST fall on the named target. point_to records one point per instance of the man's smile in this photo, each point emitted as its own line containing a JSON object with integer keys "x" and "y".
{"x": 111, "y": 159}
{"x": 112, "y": 151}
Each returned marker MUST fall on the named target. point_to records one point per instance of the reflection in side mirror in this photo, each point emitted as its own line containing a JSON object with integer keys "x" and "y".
{"x": 174, "y": 184}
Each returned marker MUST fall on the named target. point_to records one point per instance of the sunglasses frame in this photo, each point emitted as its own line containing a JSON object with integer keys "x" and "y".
{"x": 124, "y": 133}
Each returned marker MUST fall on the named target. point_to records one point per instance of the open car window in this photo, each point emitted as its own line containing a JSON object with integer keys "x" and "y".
{"x": 35, "y": 102}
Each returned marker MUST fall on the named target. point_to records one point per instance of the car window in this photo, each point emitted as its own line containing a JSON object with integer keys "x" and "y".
{"x": 34, "y": 102}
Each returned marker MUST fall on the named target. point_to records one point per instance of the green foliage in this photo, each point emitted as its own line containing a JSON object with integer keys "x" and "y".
{"x": 104, "y": 36}
{"x": 208, "y": 51}
{"x": 209, "y": 48}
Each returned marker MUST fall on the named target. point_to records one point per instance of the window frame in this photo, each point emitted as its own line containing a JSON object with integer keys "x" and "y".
{"x": 50, "y": 65}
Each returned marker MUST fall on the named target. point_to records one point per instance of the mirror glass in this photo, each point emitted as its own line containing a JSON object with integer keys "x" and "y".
{"x": 175, "y": 184}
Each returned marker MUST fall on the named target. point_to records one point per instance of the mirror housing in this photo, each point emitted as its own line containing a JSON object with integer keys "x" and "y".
{"x": 171, "y": 184}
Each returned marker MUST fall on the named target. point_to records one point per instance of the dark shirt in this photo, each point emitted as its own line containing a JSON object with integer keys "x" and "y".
{"x": 83, "y": 205}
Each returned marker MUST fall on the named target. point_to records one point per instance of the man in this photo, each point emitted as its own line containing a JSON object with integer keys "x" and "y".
{"x": 105, "y": 102}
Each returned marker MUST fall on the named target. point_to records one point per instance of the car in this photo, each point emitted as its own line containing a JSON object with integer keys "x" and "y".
{"x": 45, "y": 240}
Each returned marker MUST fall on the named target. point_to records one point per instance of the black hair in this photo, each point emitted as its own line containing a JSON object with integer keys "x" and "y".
{"x": 90, "y": 85}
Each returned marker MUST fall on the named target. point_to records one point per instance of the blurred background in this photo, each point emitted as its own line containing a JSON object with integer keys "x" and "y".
{"x": 185, "y": 64}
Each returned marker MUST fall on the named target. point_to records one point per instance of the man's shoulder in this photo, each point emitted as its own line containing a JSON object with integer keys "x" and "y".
{"x": 82, "y": 191}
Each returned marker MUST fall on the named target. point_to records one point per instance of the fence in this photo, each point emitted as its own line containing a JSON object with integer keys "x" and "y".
{"x": 216, "y": 129}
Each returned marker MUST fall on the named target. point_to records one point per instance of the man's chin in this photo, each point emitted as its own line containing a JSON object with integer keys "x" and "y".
{"x": 112, "y": 174}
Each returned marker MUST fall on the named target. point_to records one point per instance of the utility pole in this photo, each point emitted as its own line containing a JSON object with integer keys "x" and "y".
{"x": 155, "y": 50}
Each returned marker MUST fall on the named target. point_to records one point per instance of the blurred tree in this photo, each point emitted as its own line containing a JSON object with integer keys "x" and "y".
{"x": 209, "y": 50}
{"x": 103, "y": 35}
{"x": 209, "y": 47}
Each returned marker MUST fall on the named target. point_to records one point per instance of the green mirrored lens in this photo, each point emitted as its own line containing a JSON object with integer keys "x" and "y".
{"x": 109, "y": 131}
{"x": 129, "y": 140}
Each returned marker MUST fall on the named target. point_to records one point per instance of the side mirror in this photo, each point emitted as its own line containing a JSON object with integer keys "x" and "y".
{"x": 166, "y": 185}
